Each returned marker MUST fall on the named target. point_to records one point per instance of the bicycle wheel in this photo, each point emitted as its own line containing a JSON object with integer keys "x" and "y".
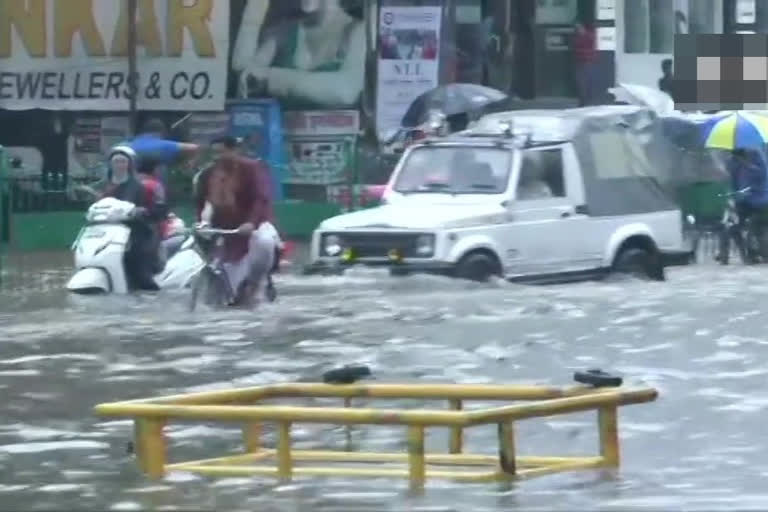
{"x": 741, "y": 238}
{"x": 198, "y": 284}
{"x": 751, "y": 245}
{"x": 209, "y": 289}
{"x": 724, "y": 246}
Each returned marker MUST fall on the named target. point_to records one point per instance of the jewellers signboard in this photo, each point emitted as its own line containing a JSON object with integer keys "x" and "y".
{"x": 73, "y": 54}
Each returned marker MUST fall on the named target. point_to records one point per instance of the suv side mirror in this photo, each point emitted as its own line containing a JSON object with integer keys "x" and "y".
{"x": 15, "y": 162}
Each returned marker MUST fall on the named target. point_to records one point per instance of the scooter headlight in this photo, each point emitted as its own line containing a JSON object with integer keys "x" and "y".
{"x": 425, "y": 245}
{"x": 332, "y": 245}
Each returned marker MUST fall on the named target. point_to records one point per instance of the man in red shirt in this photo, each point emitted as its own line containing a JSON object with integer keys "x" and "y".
{"x": 231, "y": 194}
{"x": 585, "y": 57}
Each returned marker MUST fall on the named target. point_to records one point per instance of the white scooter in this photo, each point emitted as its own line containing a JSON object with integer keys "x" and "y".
{"x": 101, "y": 245}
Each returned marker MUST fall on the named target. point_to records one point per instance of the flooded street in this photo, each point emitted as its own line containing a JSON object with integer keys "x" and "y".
{"x": 699, "y": 339}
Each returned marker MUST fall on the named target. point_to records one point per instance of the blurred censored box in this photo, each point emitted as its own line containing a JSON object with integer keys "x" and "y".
{"x": 721, "y": 72}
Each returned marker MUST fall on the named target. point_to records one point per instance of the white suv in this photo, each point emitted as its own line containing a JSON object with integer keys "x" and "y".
{"x": 575, "y": 197}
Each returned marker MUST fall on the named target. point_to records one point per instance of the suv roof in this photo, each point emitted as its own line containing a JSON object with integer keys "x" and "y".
{"x": 486, "y": 140}
{"x": 555, "y": 126}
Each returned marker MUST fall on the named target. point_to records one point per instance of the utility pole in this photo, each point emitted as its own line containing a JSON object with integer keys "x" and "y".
{"x": 133, "y": 76}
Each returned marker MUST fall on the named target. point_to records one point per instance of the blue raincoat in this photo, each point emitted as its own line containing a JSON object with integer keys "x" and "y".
{"x": 751, "y": 172}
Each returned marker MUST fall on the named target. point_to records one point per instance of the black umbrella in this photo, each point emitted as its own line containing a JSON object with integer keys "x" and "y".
{"x": 451, "y": 99}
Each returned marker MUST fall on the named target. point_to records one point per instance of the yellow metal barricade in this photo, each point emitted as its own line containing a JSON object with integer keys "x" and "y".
{"x": 242, "y": 405}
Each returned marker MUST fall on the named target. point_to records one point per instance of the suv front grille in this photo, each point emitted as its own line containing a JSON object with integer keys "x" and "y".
{"x": 378, "y": 245}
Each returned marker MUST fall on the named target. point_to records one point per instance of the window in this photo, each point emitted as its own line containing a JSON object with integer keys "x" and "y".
{"x": 556, "y": 12}
{"x": 455, "y": 170}
{"x": 617, "y": 155}
{"x": 541, "y": 175}
{"x": 650, "y": 25}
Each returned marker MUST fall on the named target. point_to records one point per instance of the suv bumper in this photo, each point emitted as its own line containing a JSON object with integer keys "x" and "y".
{"x": 427, "y": 267}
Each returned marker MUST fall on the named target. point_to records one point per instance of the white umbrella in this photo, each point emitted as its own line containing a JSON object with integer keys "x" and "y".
{"x": 658, "y": 101}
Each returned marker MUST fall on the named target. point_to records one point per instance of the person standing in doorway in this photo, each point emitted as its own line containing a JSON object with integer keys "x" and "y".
{"x": 585, "y": 57}
{"x": 665, "y": 82}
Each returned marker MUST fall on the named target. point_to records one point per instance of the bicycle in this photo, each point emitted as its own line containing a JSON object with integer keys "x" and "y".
{"x": 212, "y": 282}
{"x": 742, "y": 233}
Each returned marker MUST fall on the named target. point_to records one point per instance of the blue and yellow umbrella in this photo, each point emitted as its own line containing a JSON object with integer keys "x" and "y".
{"x": 736, "y": 130}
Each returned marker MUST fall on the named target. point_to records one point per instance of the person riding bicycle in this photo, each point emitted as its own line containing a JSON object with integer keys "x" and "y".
{"x": 231, "y": 195}
{"x": 131, "y": 179}
{"x": 748, "y": 169}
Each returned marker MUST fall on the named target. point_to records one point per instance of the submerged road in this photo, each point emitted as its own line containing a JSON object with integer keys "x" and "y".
{"x": 700, "y": 338}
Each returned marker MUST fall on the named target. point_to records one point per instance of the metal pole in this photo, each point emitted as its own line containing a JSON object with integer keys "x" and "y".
{"x": 132, "y": 71}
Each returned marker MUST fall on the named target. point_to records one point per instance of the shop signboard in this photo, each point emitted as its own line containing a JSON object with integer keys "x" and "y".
{"x": 73, "y": 55}
{"x": 320, "y": 146}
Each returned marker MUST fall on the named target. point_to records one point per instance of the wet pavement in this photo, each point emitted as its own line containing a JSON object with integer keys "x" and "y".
{"x": 699, "y": 338}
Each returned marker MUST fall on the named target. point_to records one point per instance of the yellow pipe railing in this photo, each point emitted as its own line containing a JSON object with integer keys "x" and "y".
{"x": 151, "y": 416}
{"x": 392, "y": 391}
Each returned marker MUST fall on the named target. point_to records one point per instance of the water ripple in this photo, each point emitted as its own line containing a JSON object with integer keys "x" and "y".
{"x": 696, "y": 337}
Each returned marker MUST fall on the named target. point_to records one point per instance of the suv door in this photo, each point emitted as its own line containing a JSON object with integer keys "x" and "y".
{"x": 547, "y": 216}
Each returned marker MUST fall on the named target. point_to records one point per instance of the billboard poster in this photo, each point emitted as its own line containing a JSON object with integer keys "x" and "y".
{"x": 409, "y": 46}
{"x": 307, "y": 54}
{"x": 73, "y": 55}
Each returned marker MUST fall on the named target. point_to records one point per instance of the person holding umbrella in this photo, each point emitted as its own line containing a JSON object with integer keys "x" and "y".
{"x": 745, "y": 135}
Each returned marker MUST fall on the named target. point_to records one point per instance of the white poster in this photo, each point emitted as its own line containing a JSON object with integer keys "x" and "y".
{"x": 606, "y": 38}
{"x": 72, "y": 55}
{"x": 606, "y": 10}
{"x": 745, "y": 11}
{"x": 556, "y": 12}
{"x": 409, "y": 46}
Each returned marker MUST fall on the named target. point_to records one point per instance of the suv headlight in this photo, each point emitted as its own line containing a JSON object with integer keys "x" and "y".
{"x": 425, "y": 245}
{"x": 331, "y": 245}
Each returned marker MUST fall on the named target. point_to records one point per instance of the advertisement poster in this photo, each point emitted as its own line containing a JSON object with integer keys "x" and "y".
{"x": 72, "y": 55}
{"x": 204, "y": 127}
{"x": 409, "y": 45}
{"x": 90, "y": 139}
{"x": 307, "y": 54}
{"x": 259, "y": 123}
{"x": 320, "y": 146}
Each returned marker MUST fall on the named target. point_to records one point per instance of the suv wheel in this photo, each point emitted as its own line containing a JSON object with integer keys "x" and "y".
{"x": 476, "y": 267}
{"x": 638, "y": 262}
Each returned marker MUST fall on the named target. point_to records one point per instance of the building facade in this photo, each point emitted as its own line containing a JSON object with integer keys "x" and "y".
{"x": 64, "y": 98}
{"x": 645, "y": 30}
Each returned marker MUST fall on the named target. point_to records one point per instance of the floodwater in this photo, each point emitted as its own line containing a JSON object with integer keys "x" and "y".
{"x": 699, "y": 338}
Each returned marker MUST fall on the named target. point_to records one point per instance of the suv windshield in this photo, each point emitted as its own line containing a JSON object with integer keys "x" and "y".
{"x": 455, "y": 170}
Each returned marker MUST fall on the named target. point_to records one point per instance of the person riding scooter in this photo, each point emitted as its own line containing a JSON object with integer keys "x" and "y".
{"x": 131, "y": 179}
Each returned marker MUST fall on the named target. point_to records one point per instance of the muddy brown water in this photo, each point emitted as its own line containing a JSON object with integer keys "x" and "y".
{"x": 699, "y": 338}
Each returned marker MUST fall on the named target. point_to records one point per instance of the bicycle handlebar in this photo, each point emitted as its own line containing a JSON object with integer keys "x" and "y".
{"x": 215, "y": 231}
{"x": 736, "y": 192}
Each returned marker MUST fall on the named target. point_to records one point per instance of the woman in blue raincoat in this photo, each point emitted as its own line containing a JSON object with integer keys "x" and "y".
{"x": 748, "y": 169}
